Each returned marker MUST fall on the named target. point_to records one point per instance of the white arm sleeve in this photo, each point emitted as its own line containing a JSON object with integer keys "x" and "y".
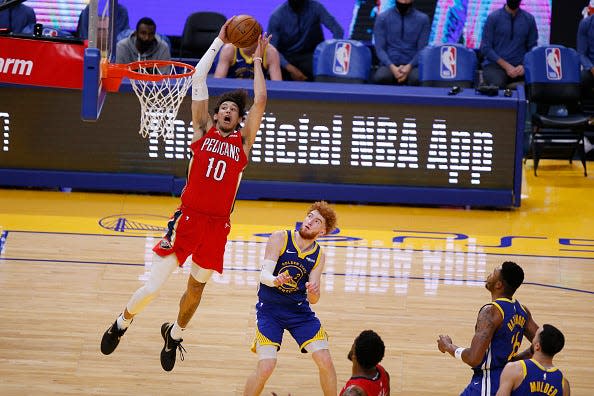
{"x": 266, "y": 276}
{"x": 199, "y": 88}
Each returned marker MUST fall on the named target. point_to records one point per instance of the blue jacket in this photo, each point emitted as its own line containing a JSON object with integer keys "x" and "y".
{"x": 297, "y": 33}
{"x": 399, "y": 38}
{"x": 508, "y": 37}
{"x": 19, "y": 19}
{"x": 585, "y": 42}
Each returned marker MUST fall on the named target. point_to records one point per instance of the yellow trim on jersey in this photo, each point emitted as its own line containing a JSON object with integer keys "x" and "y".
{"x": 540, "y": 366}
{"x": 494, "y": 303}
{"x": 524, "y": 369}
{"x": 261, "y": 339}
{"x": 317, "y": 260}
{"x": 321, "y": 335}
{"x": 301, "y": 254}
{"x": 249, "y": 58}
{"x": 512, "y": 300}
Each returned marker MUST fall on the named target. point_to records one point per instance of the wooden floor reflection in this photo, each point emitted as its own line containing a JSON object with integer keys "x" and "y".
{"x": 59, "y": 291}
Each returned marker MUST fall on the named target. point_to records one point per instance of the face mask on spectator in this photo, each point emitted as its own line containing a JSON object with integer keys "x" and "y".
{"x": 403, "y": 7}
{"x": 513, "y": 4}
{"x": 296, "y": 5}
{"x": 143, "y": 45}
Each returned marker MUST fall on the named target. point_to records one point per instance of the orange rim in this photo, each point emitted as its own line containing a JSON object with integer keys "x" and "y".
{"x": 119, "y": 71}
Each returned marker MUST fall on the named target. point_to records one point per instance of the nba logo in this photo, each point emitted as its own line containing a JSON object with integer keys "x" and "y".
{"x": 553, "y": 60}
{"x": 342, "y": 58}
{"x": 449, "y": 58}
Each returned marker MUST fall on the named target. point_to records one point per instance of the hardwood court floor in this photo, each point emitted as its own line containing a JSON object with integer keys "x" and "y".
{"x": 70, "y": 261}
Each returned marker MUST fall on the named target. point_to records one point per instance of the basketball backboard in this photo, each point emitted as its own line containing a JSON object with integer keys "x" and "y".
{"x": 101, "y": 15}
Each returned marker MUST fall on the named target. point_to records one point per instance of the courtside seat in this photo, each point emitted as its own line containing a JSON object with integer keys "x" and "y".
{"x": 200, "y": 30}
{"x": 552, "y": 76}
{"x": 447, "y": 65}
{"x": 347, "y": 61}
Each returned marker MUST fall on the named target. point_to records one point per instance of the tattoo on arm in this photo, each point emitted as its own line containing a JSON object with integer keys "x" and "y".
{"x": 488, "y": 321}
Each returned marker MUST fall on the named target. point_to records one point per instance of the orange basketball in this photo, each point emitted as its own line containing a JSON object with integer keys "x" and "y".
{"x": 243, "y": 31}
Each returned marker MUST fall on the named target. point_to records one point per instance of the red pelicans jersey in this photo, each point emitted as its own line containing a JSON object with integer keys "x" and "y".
{"x": 215, "y": 173}
{"x": 377, "y": 386}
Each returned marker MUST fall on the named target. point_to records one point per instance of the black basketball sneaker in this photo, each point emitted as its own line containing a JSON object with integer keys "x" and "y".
{"x": 111, "y": 338}
{"x": 169, "y": 349}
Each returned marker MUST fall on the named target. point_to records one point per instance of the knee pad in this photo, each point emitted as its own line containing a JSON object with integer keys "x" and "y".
{"x": 200, "y": 274}
{"x": 317, "y": 345}
{"x": 266, "y": 351}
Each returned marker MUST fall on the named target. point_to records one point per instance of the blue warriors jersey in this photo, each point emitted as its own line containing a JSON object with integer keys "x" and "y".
{"x": 504, "y": 345}
{"x": 539, "y": 380}
{"x": 299, "y": 264}
{"x": 243, "y": 65}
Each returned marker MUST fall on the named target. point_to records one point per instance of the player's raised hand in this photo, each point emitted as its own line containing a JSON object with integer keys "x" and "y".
{"x": 443, "y": 342}
{"x": 263, "y": 41}
{"x": 313, "y": 288}
{"x": 223, "y": 31}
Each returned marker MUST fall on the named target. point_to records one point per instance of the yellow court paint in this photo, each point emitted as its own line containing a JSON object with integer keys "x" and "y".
{"x": 554, "y": 219}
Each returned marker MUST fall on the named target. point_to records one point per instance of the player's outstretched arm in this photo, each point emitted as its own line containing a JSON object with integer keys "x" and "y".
{"x": 510, "y": 379}
{"x": 488, "y": 321}
{"x": 254, "y": 118}
{"x": 201, "y": 121}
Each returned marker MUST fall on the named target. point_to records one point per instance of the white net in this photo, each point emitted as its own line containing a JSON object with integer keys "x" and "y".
{"x": 160, "y": 100}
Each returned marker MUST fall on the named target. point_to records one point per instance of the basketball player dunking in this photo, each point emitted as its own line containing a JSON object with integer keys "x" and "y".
{"x": 199, "y": 227}
{"x": 289, "y": 283}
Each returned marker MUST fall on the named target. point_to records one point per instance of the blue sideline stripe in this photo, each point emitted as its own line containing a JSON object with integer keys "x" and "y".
{"x": 3, "y": 237}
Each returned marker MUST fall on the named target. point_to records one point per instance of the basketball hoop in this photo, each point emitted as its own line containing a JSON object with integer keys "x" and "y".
{"x": 160, "y": 86}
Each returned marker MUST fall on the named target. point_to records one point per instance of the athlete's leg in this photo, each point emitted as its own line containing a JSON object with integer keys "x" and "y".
{"x": 161, "y": 269}
{"x": 267, "y": 362}
{"x": 172, "y": 333}
{"x": 193, "y": 295}
{"x": 325, "y": 365}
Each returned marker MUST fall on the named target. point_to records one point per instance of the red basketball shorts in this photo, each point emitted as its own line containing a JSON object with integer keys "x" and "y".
{"x": 192, "y": 233}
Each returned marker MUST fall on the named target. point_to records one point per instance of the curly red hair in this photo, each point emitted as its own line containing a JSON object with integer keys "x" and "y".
{"x": 327, "y": 212}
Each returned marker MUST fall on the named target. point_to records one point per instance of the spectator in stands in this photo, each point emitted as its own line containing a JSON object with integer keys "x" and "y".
{"x": 296, "y": 30}
{"x": 509, "y": 33}
{"x": 142, "y": 44}
{"x": 400, "y": 33}
{"x": 589, "y": 9}
{"x": 18, "y": 19}
{"x": 121, "y": 20}
{"x": 585, "y": 47}
{"x": 239, "y": 63}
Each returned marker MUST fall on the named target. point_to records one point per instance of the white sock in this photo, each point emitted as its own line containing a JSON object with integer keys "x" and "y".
{"x": 123, "y": 323}
{"x": 176, "y": 331}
